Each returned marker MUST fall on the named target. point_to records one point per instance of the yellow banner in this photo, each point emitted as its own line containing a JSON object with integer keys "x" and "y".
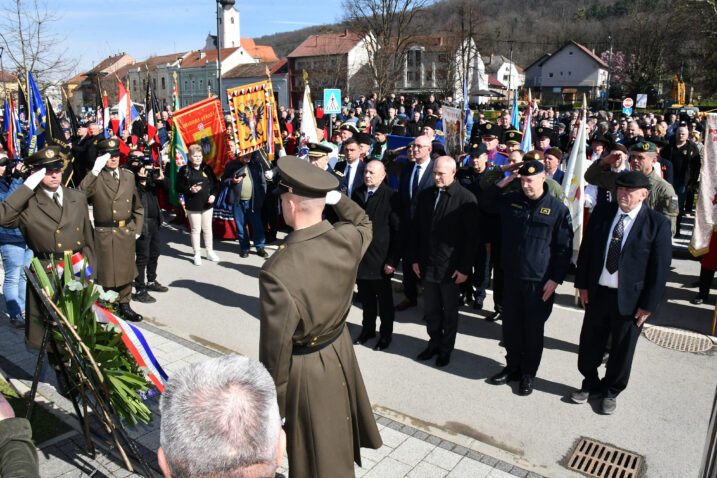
{"x": 254, "y": 118}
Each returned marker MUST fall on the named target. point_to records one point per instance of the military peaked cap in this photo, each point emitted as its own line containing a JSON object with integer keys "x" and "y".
{"x": 48, "y": 158}
{"x": 109, "y": 145}
{"x": 300, "y": 177}
{"x": 317, "y": 150}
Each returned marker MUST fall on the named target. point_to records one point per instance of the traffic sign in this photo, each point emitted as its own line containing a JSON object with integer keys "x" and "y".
{"x": 332, "y": 101}
{"x": 627, "y": 111}
{"x": 627, "y": 103}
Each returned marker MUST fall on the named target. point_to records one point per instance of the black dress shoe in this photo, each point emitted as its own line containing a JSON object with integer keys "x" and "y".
{"x": 526, "y": 385}
{"x": 697, "y": 300}
{"x": 443, "y": 360}
{"x": 126, "y": 312}
{"x": 382, "y": 343}
{"x": 155, "y": 286}
{"x": 428, "y": 353}
{"x": 477, "y": 304}
{"x": 497, "y": 315}
{"x": 244, "y": 254}
{"x": 405, "y": 304}
{"x": 144, "y": 297}
{"x": 261, "y": 252}
{"x": 504, "y": 376}
{"x": 364, "y": 337}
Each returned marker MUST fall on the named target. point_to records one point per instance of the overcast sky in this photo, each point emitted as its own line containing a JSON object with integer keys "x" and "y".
{"x": 95, "y": 29}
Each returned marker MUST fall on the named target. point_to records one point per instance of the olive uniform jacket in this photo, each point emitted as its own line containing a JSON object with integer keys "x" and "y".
{"x": 305, "y": 291}
{"x": 119, "y": 215}
{"x": 662, "y": 197}
{"x": 47, "y": 229}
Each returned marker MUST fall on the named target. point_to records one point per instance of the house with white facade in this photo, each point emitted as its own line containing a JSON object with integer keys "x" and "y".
{"x": 568, "y": 73}
{"x": 331, "y": 60}
{"x": 505, "y": 71}
{"x": 438, "y": 63}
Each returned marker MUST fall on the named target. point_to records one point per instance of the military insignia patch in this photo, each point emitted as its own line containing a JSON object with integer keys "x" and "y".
{"x": 518, "y": 206}
{"x": 545, "y": 210}
{"x": 488, "y": 126}
{"x": 540, "y": 130}
{"x": 646, "y": 146}
{"x": 339, "y": 173}
{"x": 531, "y": 170}
{"x": 475, "y": 146}
{"x": 684, "y": 151}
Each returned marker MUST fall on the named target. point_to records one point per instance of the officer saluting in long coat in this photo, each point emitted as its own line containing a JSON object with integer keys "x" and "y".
{"x": 305, "y": 291}
{"x": 52, "y": 218}
{"x": 118, "y": 216}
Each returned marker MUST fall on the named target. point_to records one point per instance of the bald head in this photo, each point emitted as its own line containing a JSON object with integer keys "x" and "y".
{"x": 444, "y": 171}
{"x": 375, "y": 174}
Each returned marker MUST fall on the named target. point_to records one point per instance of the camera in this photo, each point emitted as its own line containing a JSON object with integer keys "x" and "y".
{"x": 4, "y": 161}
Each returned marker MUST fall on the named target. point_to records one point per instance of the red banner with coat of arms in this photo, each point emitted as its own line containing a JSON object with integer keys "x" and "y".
{"x": 254, "y": 117}
{"x": 202, "y": 123}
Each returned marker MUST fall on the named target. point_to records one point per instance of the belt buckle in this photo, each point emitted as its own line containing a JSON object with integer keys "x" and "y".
{"x": 121, "y": 223}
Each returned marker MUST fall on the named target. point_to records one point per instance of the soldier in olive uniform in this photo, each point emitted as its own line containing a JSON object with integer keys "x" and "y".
{"x": 118, "y": 216}
{"x": 643, "y": 158}
{"x": 304, "y": 342}
{"x": 52, "y": 218}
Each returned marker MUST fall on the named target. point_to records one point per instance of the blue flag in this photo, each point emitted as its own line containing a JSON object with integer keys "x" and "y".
{"x": 515, "y": 120}
{"x": 6, "y": 117}
{"x": 37, "y": 103}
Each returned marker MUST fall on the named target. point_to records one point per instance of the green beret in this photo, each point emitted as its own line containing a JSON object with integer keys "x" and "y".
{"x": 48, "y": 158}
{"x": 644, "y": 146}
{"x": 300, "y": 177}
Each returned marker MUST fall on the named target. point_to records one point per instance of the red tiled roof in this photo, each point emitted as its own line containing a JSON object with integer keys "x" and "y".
{"x": 249, "y": 70}
{"x": 493, "y": 81}
{"x": 264, "y": 54}
{"x": 202, "y": 57}
{"x": 327, "y": 44}
{"x": 7, "y": 77}
{"x": 589, "y": 53}
{"x": 106, "y": 63}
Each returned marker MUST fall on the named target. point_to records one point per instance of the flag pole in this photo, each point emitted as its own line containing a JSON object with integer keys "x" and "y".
{"x": 275, "y": 113}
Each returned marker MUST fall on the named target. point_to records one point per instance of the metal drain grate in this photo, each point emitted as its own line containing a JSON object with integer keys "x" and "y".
{"x": 604, "y": 461}
{"x": 677, "y": 339}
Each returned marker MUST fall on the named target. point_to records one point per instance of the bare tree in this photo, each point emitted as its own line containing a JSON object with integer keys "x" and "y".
{"x": 388, "y": 26}
{"x": 29, "y": 44}
{"x": 460, "y": 48}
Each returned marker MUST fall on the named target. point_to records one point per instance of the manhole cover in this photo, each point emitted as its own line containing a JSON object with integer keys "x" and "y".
{"x": 599, "y": 460}
{"x": 677, "y": 339}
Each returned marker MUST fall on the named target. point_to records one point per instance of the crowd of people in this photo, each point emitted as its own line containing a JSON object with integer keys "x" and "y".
{"x": 454, "y": 226}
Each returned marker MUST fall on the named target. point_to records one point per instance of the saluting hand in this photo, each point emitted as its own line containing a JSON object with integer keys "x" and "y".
{"x": 35, "y": 178}
{"x": 101, "y": 162}
{"x": 507, "y": 180}
{"x": 549, "y": 289}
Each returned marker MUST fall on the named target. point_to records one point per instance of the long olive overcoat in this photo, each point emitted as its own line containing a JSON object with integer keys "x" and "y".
{"x": 305, "y": 291}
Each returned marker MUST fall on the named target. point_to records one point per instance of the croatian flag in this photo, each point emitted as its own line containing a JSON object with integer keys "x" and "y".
{"x": 136, "y": 344}
{"x": 126, "y": 110}
{"x": 78, "y": 263}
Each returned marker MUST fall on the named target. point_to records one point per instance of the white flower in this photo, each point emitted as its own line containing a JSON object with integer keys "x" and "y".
{"x": 75, "y": 285}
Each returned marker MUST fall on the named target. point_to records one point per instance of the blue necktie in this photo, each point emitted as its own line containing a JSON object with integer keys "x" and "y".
{"x": 348, "y": 180}
{"x": 414, "y": 185}
{"x": 368, "y": 195}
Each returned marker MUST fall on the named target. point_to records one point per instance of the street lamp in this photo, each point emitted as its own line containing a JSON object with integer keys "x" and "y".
{"x": 220, "y": 5}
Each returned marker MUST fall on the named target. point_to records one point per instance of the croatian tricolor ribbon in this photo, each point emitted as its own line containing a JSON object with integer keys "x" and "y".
{"x": 77, "y": 265}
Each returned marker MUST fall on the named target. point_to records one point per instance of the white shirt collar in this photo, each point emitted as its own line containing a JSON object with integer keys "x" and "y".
{"x": 52, "y": 193}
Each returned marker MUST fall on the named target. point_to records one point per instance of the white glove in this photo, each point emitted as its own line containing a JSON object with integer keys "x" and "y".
{"x": 269, "y": 174}
{"x": 333, "y": 197}
{"x": 100, "y": 163}
{"x": 282, "y": 153}
{"x": 137, "y": 236}
{"x": 35, "y": 178}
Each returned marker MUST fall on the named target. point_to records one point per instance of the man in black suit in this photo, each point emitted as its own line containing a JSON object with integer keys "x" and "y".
{"x": 445, "y": 242}
{"x": 380, "y": 260}
{"x": 622, "y": 269}
{"x": 350, "y": 171}
{"x": 416, "y": 176}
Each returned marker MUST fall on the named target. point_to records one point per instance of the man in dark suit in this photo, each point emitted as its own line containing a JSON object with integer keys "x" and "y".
{"x": 319, "y": 157}
{"x": 622, "y": 269}
{"x": 350, "y": 171}
{"x": 416, "y": 176}
{"x": 380, "y": 260}
{"x": 442, "y": 252}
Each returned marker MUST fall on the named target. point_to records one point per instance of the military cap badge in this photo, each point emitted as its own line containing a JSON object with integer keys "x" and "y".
{"x": 488, "y": 126}
{"x": 646, "y": 146}
{"x": 531, "y": 170}
{"x": 49, "y": 153}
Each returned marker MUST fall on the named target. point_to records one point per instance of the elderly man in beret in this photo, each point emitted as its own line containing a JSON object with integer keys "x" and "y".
{"x": 643, "y": 158}
{"x": 623, "y": 265}
{"x": 303, "y": 340}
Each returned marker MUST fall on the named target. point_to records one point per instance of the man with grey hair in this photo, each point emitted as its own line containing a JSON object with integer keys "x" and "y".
{"x": 220, "y": 418}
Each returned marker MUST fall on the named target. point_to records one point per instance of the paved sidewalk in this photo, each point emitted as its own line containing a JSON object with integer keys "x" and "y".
{"x": 408, "y": 451}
